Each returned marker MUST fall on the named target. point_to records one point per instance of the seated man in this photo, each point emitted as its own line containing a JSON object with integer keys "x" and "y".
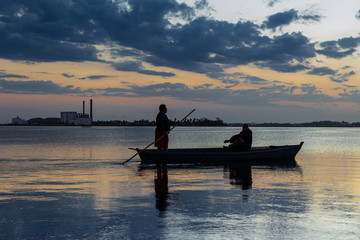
{"x": 242, "y": 141}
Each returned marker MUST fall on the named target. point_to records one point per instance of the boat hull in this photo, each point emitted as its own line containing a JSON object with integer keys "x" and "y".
{"x": 219, "y": 155}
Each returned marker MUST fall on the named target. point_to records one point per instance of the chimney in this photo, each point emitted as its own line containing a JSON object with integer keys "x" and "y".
{"x": 91, "y": 110}
{"x": 83, "y": 108}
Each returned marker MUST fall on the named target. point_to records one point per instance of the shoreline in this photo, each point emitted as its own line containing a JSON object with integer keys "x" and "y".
{"x": 270, "y": 125}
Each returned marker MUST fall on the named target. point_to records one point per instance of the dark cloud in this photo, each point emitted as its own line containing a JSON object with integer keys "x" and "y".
{"x": 310, "y": 17}
{"x": 180, "y": 91}
{"x": 264, "y": 96}
{"x": 226, "y": 78}
{"x": 321, "y": 71}
{"x": 338, "y": 49}
{"x": 97, "y": 77}
{"x": 352, "y": 95}
{"x": 255, "y": 80}
{"x": 68, "y": 75}
{"x": 3, "y": 74}
{"x": 282, "y": 18}
{"x": 20, "y": 47}
{"x": 349, "y": 42}
{"x": 283, "y": 67}
{"x": 340, "y": 78}
{"x": 271, "y": 3}
{"x": 36, "y": 87}
{"x": 202, "y": 4}
{"x": 235, "y": 78}
{"x": 335, "y": 76}
{"x": 162, "y": 32}
{"x": 285, "y": 18}
{"x": 91, "y": 77}
{"x": 46, "y": 31}
{"x": 358, "y": 15}
{"x": 135, "y": 66}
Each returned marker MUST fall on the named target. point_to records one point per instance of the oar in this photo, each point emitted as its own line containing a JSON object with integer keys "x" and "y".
{"x": 178, "y": 123}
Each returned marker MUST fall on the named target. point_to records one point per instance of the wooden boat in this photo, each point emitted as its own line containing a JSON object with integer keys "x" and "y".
{"x": 219, "y": 155}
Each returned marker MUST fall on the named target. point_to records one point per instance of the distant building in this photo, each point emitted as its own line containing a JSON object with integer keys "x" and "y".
{"x": 68, "y": 118}
{"x": 83, "y": 120}
{"x": 78, "y": 119}
{"x": 18, "y": 121}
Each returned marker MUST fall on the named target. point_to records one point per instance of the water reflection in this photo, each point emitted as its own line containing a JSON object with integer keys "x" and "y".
{"x": 161, "y": 187}
{"x": 239, "y": 175}
{"x": 61, "y": 183}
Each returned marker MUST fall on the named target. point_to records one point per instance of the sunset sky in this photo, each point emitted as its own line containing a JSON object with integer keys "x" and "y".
{"x": 239, "y": 60}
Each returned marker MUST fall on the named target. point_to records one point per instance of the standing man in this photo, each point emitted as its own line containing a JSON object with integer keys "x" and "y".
{"x": 162, "y": 129}
{"x": 242, "y": 141}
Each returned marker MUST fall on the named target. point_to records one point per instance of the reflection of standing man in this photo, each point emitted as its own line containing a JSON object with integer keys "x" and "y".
{"x": 161, "y": 187}
{"x": 162, "y": 129}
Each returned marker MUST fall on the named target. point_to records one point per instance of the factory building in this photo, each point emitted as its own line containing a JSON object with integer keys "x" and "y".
{"x": 77, "y": 119}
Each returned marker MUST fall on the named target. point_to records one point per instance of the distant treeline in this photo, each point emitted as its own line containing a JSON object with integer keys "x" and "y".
{"x": 310, "y": 124}
{"x": 192, "y": 122}
{"x": 219, "y": 122}
{"x": 143, "y": 122}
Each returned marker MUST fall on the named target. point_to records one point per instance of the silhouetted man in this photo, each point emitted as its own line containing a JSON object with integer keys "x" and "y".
{"x": 162, "y": 129}
{"x": 242, "y": 141}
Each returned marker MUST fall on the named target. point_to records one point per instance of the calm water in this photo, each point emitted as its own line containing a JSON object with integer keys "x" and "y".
{"x": 67, "y": 183}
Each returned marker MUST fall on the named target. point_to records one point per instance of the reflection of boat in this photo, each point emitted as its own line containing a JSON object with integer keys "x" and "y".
{"x": 266, "y": 155}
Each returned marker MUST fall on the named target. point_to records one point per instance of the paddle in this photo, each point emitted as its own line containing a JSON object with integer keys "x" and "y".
{"x": 177, "y": 124}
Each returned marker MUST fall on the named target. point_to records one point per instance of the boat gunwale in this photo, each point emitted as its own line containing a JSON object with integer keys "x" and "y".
{"x": 203, "y": 153}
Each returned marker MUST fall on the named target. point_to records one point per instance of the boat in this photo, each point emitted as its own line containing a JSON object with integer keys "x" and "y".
{"x": 266, "y": 154}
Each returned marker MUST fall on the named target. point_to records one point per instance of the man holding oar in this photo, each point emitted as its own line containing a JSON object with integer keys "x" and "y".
{"x": 161, "y": 136}
{"x": 162, "y": 129}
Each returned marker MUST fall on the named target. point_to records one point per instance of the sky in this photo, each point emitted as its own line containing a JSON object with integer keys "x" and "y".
{"x": 239, "y": 60}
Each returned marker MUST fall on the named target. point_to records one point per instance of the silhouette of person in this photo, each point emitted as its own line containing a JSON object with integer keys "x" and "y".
{"x": 162, "y": 129}
{"x": 242, "y": 141}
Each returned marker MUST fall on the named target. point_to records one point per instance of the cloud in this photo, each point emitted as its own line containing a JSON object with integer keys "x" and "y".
{"x": 285, "y": 18}
{"x": 321, "y": 71}
{"x": 202, "y": 4}
{"x": 135, "y": 66}
{"x": 3, "y": 74}
{"x": 95, "y": 77}
{"x": 36, "y": 87}
{"x": 282, "y": 18}
{"x": 265, "y": 96}
{"x": 340, "y": 78}
{"x": 339, "y": 49}
{"x": 46, "y": 31}
{"x": 235, "y": 78}
{"x": 271, "y": 3}
{"x": 255, "y": 80}
{"x": 284, "y": 67}
{"x": 358, "y": 15}
{"x": 19, "y": 47}
{"x": 91, "y": 77}
{"x": 161, "y": 32}
{"x": 68, "y": 75}
{"x": 335, "y": 76}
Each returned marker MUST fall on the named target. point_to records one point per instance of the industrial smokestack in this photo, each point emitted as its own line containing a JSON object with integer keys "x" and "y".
{"x": 83, "y": 108}
{"x": 91, "y": 110}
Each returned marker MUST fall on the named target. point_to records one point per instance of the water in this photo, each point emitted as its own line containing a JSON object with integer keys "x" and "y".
{"x": 67, "y": 183}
